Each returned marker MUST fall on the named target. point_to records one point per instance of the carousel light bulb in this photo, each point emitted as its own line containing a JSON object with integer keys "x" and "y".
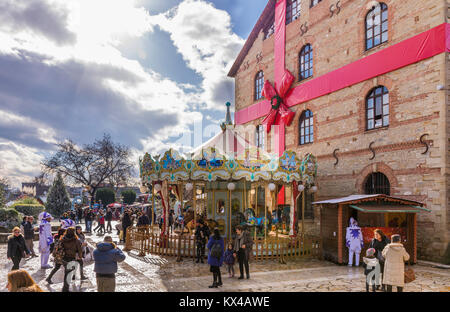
{"x": 144, "y": 189}
{"x": 158, "y": 187}
{"x": 314, "y": 189}
{"x": 231, "y": 186}
{"x": 252, "y": 191}
{"x": 301, "y": 187}
{"x": 199, "y": 191}
{"x": 272, "y": 187}
{"x": 189, "y": 186}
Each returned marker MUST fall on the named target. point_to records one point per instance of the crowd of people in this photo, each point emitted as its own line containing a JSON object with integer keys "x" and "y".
{"x": 383, "y": 263}
{"x": 69, "y": 247}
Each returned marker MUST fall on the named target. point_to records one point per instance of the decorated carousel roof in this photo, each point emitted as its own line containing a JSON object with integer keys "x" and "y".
{"x": 228, "y": 156}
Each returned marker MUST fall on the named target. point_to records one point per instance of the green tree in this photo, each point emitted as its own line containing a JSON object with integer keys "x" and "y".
{"x": 106, "y": 195}
{"x": 58, "y": 200}
{"x": 129, "y": 196}
{"x": 3, "y": 188}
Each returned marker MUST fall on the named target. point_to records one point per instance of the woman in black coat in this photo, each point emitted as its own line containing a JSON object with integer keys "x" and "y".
{"x": 17, "y": 249}
{"x": 378, "y": 243}
{"x": 126, "y": 222}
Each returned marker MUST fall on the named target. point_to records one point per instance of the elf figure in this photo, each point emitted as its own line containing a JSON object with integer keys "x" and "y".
{"x": 354, "y": 242}
{"x": 45, "y": 238}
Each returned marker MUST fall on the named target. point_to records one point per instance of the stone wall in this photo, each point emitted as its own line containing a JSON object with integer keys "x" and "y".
{"x": 416, "y": 108}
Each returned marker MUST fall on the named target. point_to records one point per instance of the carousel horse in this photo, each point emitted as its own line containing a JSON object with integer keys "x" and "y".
{"x": 190, "y": 226}
{"x": 253, "y": 221}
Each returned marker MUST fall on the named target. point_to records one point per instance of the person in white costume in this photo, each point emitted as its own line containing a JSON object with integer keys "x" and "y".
{"x": 354, "y": 242}
{"x": 45, "y": 238}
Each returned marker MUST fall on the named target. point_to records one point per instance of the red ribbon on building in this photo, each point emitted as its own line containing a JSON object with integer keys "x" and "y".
{"x": 279, "y": 114}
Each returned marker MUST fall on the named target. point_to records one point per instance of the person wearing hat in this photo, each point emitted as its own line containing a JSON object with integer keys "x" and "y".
{"x": 106, "y": 257}
{"x": 67, "y": 223}
{"x": 45, "y": 238}
{"x": 372, "y": 269}
{"x": 354, "y": 242}
{"x": 394, "y": 267}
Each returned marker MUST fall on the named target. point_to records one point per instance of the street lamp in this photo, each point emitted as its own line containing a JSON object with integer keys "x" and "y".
{"x": 189, "y": 186}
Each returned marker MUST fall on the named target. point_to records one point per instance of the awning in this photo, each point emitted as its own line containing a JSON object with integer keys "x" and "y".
{"x": 373, "y": 199}
{"x": 377, "y": 208}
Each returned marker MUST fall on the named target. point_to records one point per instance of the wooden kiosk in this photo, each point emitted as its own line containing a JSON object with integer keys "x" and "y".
{"x": 390, "y": 214}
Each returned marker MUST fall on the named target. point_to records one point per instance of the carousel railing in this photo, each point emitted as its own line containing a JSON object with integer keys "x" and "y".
{"x": 286, "y": 248}
{"x": 148, "y": 240}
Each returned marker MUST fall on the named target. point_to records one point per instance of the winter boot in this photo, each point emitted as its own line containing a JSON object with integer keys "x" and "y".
{"x": 214, "y": 284}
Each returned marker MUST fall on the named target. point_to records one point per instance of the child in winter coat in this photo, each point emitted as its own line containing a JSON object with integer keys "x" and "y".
{"x": 372, "y": 269}
{"x": 229, "y": 260}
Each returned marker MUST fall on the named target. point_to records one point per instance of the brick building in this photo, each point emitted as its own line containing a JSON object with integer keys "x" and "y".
{"x": 369, "y": 136}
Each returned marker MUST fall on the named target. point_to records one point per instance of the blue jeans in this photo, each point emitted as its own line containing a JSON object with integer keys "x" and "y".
{"x": 88, "y": 226}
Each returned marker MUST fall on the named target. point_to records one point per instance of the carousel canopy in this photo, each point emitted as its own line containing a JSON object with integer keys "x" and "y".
{"x": 228, "y": 156}
{"x": 214, "y": 161}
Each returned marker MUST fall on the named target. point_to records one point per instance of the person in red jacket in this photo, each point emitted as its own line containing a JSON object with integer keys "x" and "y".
{"x": 101, "y": 223}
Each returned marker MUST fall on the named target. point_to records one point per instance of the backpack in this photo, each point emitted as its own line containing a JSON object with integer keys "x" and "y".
{"x": 58, "y": 251}
{"x": 216, "y": 250}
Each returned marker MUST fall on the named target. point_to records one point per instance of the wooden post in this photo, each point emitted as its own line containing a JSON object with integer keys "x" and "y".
{"x": 244, "y": 206}
{"x": 256, "y": 201}
{"x": 194, "y": 201}
{"x": 265, "y": 213}
{"x": 415, "y": 237}
{"x": 229, "y": 216}
{"x": 153, "y": 206}
{"x": 340, "y": 233}
{"x": 303, "y": 212}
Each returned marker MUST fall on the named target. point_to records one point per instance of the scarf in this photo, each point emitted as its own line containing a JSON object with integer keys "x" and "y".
{"x": 239, "y": 242}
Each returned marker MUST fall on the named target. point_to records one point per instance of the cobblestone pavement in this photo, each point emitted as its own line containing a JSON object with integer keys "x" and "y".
{"x": 154, "y": 273}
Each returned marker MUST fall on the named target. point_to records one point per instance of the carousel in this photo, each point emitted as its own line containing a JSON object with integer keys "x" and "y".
{"x": 227, "y": 181}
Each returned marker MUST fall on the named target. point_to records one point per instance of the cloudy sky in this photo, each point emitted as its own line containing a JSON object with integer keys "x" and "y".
{"x": 144, "y": 71}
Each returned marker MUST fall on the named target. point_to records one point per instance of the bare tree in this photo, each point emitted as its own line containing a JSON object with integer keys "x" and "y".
{"x": 91, "y": 165}
{"x": 120, "y": 178}
{"x": 41, "y": 179}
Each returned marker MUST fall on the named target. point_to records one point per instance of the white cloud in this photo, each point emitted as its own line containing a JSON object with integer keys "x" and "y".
{"x": 203, "y": 36}
{"x": 63, "y": 76}
{"x": 18, "y": 163}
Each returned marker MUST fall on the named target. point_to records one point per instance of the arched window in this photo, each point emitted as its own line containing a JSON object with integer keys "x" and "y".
{"x": 306, "y": 128}
{"x": 306, "y": 62}
{"x": 377, "y": 107}
{"x": 292, "y": 10}
{"x": 377, "y": 183}
{"x": 259, "y": 83}
{"x": 376, "y": 26}
{"x": 314, "y": 2}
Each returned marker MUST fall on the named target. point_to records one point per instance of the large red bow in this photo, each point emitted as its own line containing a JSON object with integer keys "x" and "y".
{"x": 279, "y": 114}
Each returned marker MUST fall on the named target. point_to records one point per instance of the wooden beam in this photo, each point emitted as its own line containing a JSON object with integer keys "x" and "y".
{"x": 340, "y": 233}
{"x": 415, "y": 237}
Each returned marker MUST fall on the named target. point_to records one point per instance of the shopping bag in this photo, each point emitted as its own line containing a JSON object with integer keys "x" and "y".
{"x": 409, "y": 274}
